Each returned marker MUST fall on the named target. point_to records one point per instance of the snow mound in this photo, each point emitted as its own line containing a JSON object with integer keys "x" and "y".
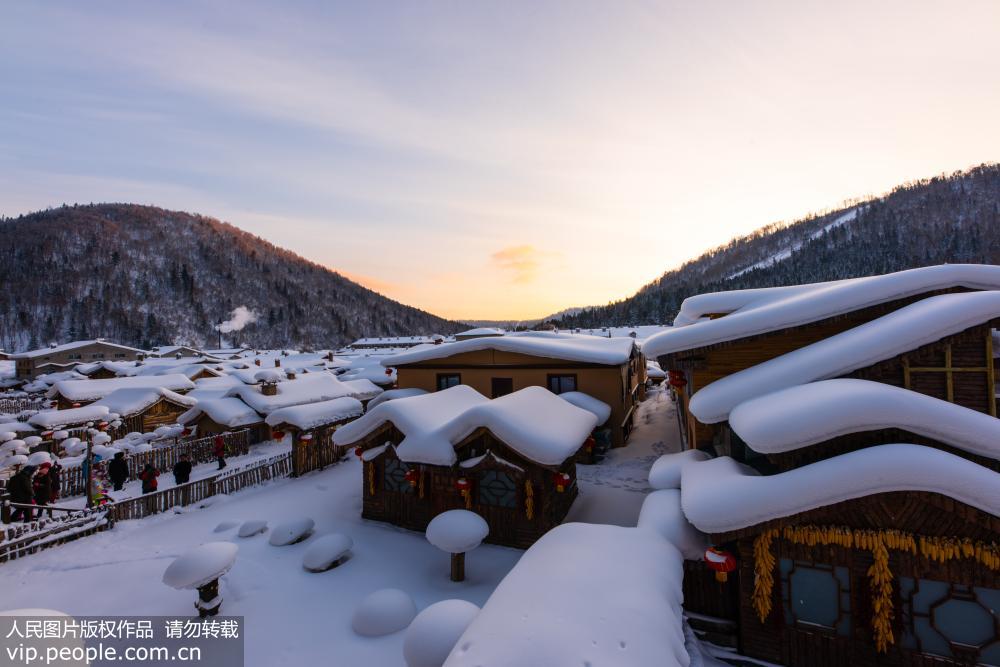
{"x": 326, "y": 551}
{"x": 457, "y": 531}
{"x": 7, "y": 435}
{"x": 252, "y": 527}
{"x": 38, "y": 458}
{"x": 435, "y": 631}
{"x": 201, "y": 565}
{"x": 383, "y": 612}
{"x": 33, "y": 441}
{"x": 291, "y": 532}
{"x": 666, "y": 470}
{"x": 599, "y": 408}
{"x": 225, "y": 525}
{"x": 661, "y": 512}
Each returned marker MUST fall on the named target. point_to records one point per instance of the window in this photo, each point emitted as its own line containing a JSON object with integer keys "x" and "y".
{"x": 559, "y": 384}
{"x": 498, "y": 489}
{"x": 816, "y": 596}
{"x": 446, "y": 380}
{"x": 119, "y": 355}
{"x": 394, "y": 476}
{"x": 97, "y": 355}
{"x": 501, "y": 387}
{"x": 939, "y": 617}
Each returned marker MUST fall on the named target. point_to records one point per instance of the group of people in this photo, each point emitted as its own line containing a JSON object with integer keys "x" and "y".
{"x": 118, "y": 473}
{"x": 38, "y": 486}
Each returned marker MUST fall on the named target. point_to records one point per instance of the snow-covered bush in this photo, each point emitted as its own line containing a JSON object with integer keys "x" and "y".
{"x": 383, "y": 612}
{"x": 290, "y": 532}
{"x": 326, "y": 552}
{"x": 435, "y": 631}
{"x": 252, "y": 527}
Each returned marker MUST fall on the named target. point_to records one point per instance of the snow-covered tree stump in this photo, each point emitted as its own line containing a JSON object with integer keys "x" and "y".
{"x": 200, "y": 569}
{"x": 456, "y": 532}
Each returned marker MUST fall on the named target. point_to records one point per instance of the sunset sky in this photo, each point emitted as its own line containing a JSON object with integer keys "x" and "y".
{"x": 492, "y": 160}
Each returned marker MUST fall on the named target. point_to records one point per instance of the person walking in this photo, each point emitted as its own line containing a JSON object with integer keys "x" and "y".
{"x": 220, "y": 451}
{"x": 21, "y": 492}
{"x": 42, "y": 487}
{"x": 148, "y": 477}
{"x": 182, "y": 470}
{"x": 118, "y": 470}
{"x": 55, "y": 477}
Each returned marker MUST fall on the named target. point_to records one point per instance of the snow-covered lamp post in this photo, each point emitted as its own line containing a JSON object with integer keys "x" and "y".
{"x": 200, "y": 569}
{"x": 457, "y": 531}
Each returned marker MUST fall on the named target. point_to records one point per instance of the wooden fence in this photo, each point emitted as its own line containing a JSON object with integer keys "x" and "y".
{"x": 201, "y": 450}
{"x": 13, "y": 406}
{"x": 17, "y": 540}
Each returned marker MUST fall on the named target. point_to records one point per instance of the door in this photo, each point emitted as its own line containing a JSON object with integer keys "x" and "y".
{"x": 501, "y": 387}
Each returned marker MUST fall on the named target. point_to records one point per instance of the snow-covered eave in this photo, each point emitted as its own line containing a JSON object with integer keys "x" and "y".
{"x": 721, "y": 495}
{"x": 903, "y": 330}
{"x": 581, "y": 349}
{"x": 760, "y": 311}
{"x": 804, "y": 415}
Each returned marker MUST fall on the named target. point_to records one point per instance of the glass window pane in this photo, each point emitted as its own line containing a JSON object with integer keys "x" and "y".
{"x": 498, "y": 489}
{"x": 964, "y": 622}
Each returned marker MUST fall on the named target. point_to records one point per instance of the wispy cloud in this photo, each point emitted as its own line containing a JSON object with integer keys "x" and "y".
{"x": 523, "y": 261}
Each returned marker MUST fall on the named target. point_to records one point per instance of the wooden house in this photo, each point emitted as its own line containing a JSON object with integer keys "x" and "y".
{"x": 75, "y": 393}
{"x": 718, "y": 335}
{"x": 510, "y": 459}
{"x": 33, "y": 363}
{"x": 176, "y": 351}
{"x": 142, "y": 410}
{"x": 311, "y": 427}
{"x": 213, "y": 416}
{"x": 612, "y": 370}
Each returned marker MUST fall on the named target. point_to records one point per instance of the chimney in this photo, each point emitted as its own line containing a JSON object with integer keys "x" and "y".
{"x": 269, "y": 388}
{"x": 277, "y": 363}
{"x": 177, "y": 355}
{"x": 290, "y": 374}
{"x": 256, "y": 362}
{"x": 438, "y": 341}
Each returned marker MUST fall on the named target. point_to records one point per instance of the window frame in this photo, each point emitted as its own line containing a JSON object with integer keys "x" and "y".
{"x": 442, "y": 376}
{"x": 554, "y": 376}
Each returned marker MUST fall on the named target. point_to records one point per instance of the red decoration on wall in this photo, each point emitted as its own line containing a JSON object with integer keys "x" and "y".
{"x": 561, "y": 481}
{"x": 721, "y": 562}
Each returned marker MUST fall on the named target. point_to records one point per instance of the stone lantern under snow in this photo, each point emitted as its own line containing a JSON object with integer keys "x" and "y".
{"x": 457, "y": 531}
{"x": 200, "y": 569}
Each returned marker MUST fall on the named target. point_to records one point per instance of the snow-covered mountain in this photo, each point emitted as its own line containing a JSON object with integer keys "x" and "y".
{"x": 143, "y": 276}
{"x": 948, "y": 219}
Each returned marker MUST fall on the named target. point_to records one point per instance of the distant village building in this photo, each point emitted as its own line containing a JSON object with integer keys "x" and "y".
{"x": 510, "y": 459}
{"x": 76, "y": 393}
{"x": 612, "y": 371}
{"x": 230, "y": 353}
{"x": 394, "y": 341}
{"x": 175, "y": 351}
{"x": 311, "y": 427}
{"x": 142, "y": 410}
{"x": 29, "y": 365}
{"x": 214, "y": 416}
{"x": 479, "y": 332}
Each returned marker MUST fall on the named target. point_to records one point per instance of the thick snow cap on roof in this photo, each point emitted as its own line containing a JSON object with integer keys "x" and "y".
{"x": 720, "y": 495}
{"x": 231, "y": 412}
{"x": 481, "y": 331}
{"x": 804, "y": 415}
{"x": 533, "y": 421}
{"x": 315, "y": 415}
{"x": 758, "y": 311}
{"x": 584, "y": 349}
{"x": 540, "y": 614}
{"x": 129, "y": 400}
{"x": 393, "y": 394}
{"x": 599, "y": 408}
{"x": 56, "y": 418}
{"x": 906, "y": 329}
{"x": 91, "y": 390}
{"x": 66, "y": 347}
{"x": 308, "y": 388}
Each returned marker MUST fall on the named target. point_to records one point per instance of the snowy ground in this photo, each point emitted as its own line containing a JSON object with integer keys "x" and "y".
{"x": 294, "y": 617}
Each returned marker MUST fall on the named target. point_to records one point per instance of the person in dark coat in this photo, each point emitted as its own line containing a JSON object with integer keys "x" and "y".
{"x": 42, "y": 486}
{"x": 20, "y": 489}
{"x": 55, "y": 477}
{"x": 118, "y": 470}
{"x": 182, "y": 470}
{"x": 220, "y": 451}
{"x": 148, "y": 477}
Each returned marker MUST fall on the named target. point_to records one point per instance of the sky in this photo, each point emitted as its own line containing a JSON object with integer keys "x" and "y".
{"x": 492, "y": 160}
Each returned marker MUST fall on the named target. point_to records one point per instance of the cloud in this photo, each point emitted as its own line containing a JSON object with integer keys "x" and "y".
{"x": 523, "y": 261}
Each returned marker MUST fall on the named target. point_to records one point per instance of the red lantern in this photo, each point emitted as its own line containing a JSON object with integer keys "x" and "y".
{"x": 388, "y": 371}
{"x": 103, "y": 426}
{"x": 47, "y": 435}
{"x": 589, "y": 444}
{"x": 561, "y": 481}
{"x": 677, "y": 379}
{"x": 412, "y": 476}
{"x": 462, "y": 484}
{"x": 185, "y": 433}
{"x": 277, "y": 435}
{"x": 721, "y": 562}
{"x": 358, "y": 451}
{"x": 76, "y": 405}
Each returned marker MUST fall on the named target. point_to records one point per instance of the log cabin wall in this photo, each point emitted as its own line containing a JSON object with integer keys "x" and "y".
{"x": 520, "y": 504}
{"x": 921, "y": 587}
{"x": 707, "y": 364}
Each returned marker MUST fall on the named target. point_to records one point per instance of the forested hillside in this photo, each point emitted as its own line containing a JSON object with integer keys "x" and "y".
{"x": 950, "y": 219}
{"x": 144, "y": 276}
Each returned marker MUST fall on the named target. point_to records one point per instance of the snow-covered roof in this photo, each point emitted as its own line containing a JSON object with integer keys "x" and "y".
{"x": 903, "y": 330}
{"x": 804, "y": 415}
{"x": 308, "y": 388}
{"x": 547, "y": 612}
{"x": 533, "y": 421}
{"x": 68, "y": 347}
{"x": 362, "y": 388}
{"x": 390, "y": 341}
{"x": 90, "y": 390}
{"x": 584, "y": 349}
{"x": 720, "y": 494}
{"x": 392, "y": 394}
{"x": 57, "y": 418}
{"x": 130, "y": 400}
{"x": 231, "y": 412}
{"x": 481, "y": 331}
{"x": 759, "y": 311}
{"x": 315, "y": 415}
{"x": 599, "y": 408}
